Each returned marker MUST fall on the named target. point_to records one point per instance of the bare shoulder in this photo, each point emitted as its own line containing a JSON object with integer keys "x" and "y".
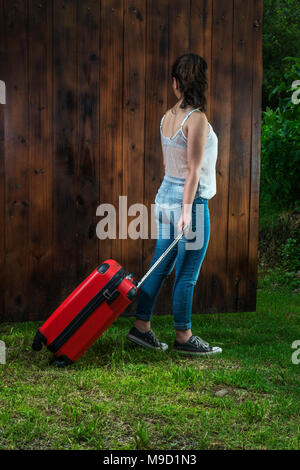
{"x": 198, "y": 117}
{"x": 196, "y": 122}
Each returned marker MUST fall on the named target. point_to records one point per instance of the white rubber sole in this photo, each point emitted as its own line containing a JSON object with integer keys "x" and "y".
{"x": 216, "y": 350}
{"x": 140, "y": 342}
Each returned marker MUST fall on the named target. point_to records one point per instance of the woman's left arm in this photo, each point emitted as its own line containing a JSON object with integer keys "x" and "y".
{"x": 197, "y": 135}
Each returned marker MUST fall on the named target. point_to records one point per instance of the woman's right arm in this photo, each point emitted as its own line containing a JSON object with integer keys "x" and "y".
{"x": 196, "y": 139}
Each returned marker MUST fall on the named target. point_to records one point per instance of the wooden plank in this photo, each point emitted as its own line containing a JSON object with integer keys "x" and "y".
{"x": 214, "y": 296}
{"x": 65, "y": 141}
{"x": 2, "y": 210}
{"x": 133, "y": 123}
{"x": 255, "y": 155}
{"x": 201, "y": 43}
{"x": 40, "y": 163}
{"x": 111, "y": 117}
{"x": 157, "y": 82}
{"x": 3, "y": 77}
{"x": 16, "y": 163}
{"x": 179, "y": 27}
{"x": 200, "y": 36}
{"x": 87, "y": 196}
{"x": 239, "y": 178}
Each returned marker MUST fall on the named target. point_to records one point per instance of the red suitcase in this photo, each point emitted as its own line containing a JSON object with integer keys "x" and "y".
{"x": 89, "y": 310}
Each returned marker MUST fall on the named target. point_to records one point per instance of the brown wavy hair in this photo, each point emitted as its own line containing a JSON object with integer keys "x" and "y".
{"x": 190, "y": 72}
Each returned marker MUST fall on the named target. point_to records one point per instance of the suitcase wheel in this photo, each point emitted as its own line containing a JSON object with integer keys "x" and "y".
{"x": 38, "y": 341}
{"x": 61, "y": 362}
{"x": 132, "y": 293}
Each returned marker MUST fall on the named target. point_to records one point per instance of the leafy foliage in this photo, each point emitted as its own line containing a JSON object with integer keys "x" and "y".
{"x": 281, "y": 37}
{"x": 280, "y": 152}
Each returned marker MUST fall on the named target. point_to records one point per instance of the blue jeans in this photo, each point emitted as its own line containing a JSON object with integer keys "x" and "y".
{"x": 188, "y": 254}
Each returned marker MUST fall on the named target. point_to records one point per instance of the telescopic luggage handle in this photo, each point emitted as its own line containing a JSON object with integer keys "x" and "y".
{"x": 161, "y": 258}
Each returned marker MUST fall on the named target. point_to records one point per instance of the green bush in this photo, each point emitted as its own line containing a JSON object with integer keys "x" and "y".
{"x": 290, "y": 253}
{"x": 279, "y": 248}
{"x": 280, "y": 146}
{"x": 281, "y": 37}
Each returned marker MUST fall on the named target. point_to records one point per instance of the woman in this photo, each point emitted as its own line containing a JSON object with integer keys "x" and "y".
{"x": 189, "y": 146}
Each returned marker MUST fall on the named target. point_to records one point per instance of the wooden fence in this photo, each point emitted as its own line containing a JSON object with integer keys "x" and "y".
{"x": 86, "y": 85}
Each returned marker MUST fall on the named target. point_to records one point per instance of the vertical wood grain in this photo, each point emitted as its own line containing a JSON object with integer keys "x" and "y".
{"x": 2, "y": 209}
{"x": 179, "y": 33}
{"x": 216, "y": 277}
{"x": 65, "y": 141}
{"x": 40, "y": 159}
{"x": 240, "y": 152}
{"x": 133, "y": 123}
{"x": 3, "y": 77}
{"x": 87, "y": 84}
{"x": 255, "y": 155}
{"x": 200, "y": 37}
{"x": 87, "y": 174}
{"x": 16, "y": 162}
{"x": 111, "y": 117}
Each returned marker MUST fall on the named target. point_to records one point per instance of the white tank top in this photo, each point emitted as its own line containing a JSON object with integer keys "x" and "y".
{"x": 175, "y": 154}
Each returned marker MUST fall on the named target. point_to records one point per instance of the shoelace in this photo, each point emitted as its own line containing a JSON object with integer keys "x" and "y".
{"x": 199, "y": 342}
{"x": 153, "y": 338}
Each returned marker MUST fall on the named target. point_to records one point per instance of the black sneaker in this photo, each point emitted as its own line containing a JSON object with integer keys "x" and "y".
{"x": 196, "y": 346}
{"x": 148, "y": 340}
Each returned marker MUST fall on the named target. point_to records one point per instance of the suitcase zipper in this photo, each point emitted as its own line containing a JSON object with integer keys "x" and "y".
{"x": 81, "y": 317}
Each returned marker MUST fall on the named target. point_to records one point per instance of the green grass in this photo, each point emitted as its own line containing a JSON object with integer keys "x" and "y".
{"x": 120, "y": 396}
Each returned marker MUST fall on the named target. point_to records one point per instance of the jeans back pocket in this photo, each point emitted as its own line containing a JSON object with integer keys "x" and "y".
{"x": 169, "y": 196}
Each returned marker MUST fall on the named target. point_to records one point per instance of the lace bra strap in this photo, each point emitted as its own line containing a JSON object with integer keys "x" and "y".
{"x": 185, "y": 118}
{"x": 161, "y": 121}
